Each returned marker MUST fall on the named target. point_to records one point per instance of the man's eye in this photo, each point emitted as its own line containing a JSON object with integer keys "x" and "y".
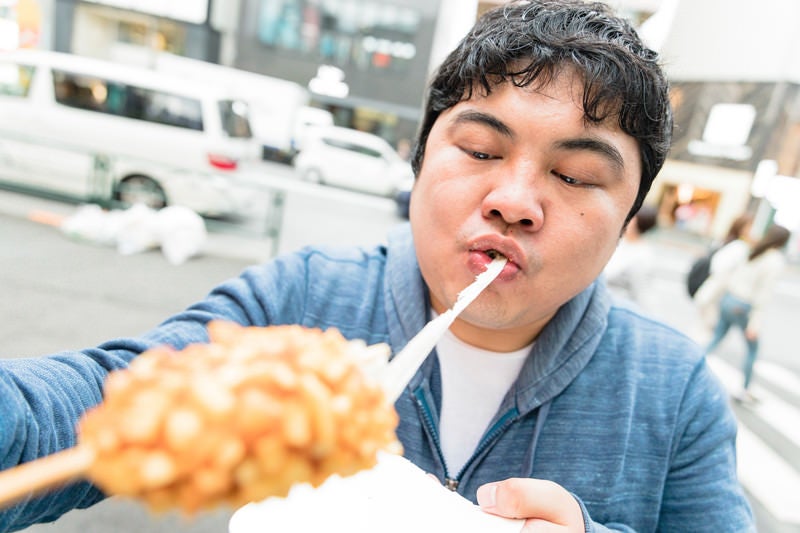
{"x": 480, "y": 155}
{"x": 567, "y": 179}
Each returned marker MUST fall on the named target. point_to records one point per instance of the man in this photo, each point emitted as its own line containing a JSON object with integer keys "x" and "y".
{"x": 542, "y": 134}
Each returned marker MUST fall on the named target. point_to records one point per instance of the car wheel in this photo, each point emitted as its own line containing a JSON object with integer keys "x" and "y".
{"x": 313, "y": 175}
{"x": 140, "y": 190}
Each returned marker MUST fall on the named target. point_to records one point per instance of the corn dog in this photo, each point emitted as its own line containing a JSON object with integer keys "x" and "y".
{"x": 239, "y": 419}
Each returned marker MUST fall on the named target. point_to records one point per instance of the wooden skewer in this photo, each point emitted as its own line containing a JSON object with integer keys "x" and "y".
{"x": 45, "y": 473}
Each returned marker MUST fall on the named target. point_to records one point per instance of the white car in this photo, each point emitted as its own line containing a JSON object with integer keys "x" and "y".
{"x": 352, "y": 159}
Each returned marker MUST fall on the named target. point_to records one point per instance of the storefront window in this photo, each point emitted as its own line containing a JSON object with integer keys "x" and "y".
{"x": 361, "y": 34}
{"x": 156, "y": 34}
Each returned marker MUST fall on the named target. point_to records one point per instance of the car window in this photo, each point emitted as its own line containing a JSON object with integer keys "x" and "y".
{"x": 353, "y": 147}
{"x": 93, "y": 93}
{"x": 234, "y": 118}
{"x": 15, "y": 79}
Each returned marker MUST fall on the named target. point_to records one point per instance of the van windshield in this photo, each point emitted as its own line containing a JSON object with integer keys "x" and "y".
{"x": 234, "y": 118}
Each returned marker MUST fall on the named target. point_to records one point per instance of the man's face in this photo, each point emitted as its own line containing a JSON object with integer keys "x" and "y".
{"x": 523, "y": 173}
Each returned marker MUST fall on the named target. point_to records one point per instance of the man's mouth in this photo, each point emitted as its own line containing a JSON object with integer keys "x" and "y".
{"x": 483, "y": 249}
{"x": 480, "y": 259}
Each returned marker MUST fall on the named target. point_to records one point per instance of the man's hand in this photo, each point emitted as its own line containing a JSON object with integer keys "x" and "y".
{"x": 546, "y": 506}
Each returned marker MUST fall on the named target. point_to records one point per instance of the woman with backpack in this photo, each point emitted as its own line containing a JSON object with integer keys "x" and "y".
{"x": 746, "y": 289}
{"x": 718, "y": 265}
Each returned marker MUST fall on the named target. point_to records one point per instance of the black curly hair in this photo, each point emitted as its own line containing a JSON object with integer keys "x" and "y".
{"x": 530, "y": 43}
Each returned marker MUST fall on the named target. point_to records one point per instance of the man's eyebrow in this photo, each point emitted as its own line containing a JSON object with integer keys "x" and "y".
{"x": 597, "y": 146}
{"x": 591, "y": 144}
{"x": 485, "y": 119}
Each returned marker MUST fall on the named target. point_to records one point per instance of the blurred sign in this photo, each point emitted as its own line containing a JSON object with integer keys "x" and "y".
{"x": 29, "y": 19}
{"x": 194, "y": 11}
{"x": 329, "y": 81}
{"x": 766, "y": 170}
{"x": 783, "y": 193}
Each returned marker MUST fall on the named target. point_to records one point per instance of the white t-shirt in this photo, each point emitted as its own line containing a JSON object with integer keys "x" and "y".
{"x": 474, "y": 383}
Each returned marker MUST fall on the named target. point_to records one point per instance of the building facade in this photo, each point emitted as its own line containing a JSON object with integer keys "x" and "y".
{"x": 366, "y": 61}
{"x": 736, "y": 96}
{"x": 129, "y": 30}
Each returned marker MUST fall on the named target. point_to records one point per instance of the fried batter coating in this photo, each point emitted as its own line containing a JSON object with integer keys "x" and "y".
{"x": 238, "y": 419}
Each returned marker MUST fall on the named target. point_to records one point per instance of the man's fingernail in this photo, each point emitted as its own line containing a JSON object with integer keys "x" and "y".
{"x": 487, "y": 495}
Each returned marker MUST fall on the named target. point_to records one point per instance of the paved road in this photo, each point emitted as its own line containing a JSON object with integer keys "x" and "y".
{"x": 64, "y": 294}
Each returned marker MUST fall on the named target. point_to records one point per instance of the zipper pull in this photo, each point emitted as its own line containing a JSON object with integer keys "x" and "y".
{"x": 451, "y": 484}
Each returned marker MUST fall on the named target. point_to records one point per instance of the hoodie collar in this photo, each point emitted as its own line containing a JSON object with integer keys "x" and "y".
{"x": 563, "y": 348}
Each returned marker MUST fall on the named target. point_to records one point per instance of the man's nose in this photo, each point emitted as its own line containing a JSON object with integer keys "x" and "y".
{"x": 515, "y": 201}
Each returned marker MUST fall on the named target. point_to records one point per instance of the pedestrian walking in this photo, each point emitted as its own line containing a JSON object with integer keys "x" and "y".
{"x": 721, "y": 261}
{"x": 746, "y": 291}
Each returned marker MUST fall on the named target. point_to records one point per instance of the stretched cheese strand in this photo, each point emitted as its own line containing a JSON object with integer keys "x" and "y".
{"x": 405, "y": 364}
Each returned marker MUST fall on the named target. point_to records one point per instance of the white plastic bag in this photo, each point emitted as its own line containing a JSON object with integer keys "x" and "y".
{"x": 177, "y": 230}
{"x": 181, "y": 233}
{"x": 137, "y": 229}
{"x": 90, "y": 223}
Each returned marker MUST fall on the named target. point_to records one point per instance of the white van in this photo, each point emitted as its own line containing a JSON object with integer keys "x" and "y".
{"x": 95, "y": 130}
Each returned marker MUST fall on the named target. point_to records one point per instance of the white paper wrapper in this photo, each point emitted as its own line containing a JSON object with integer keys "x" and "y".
{"x": 393, "y": 497}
